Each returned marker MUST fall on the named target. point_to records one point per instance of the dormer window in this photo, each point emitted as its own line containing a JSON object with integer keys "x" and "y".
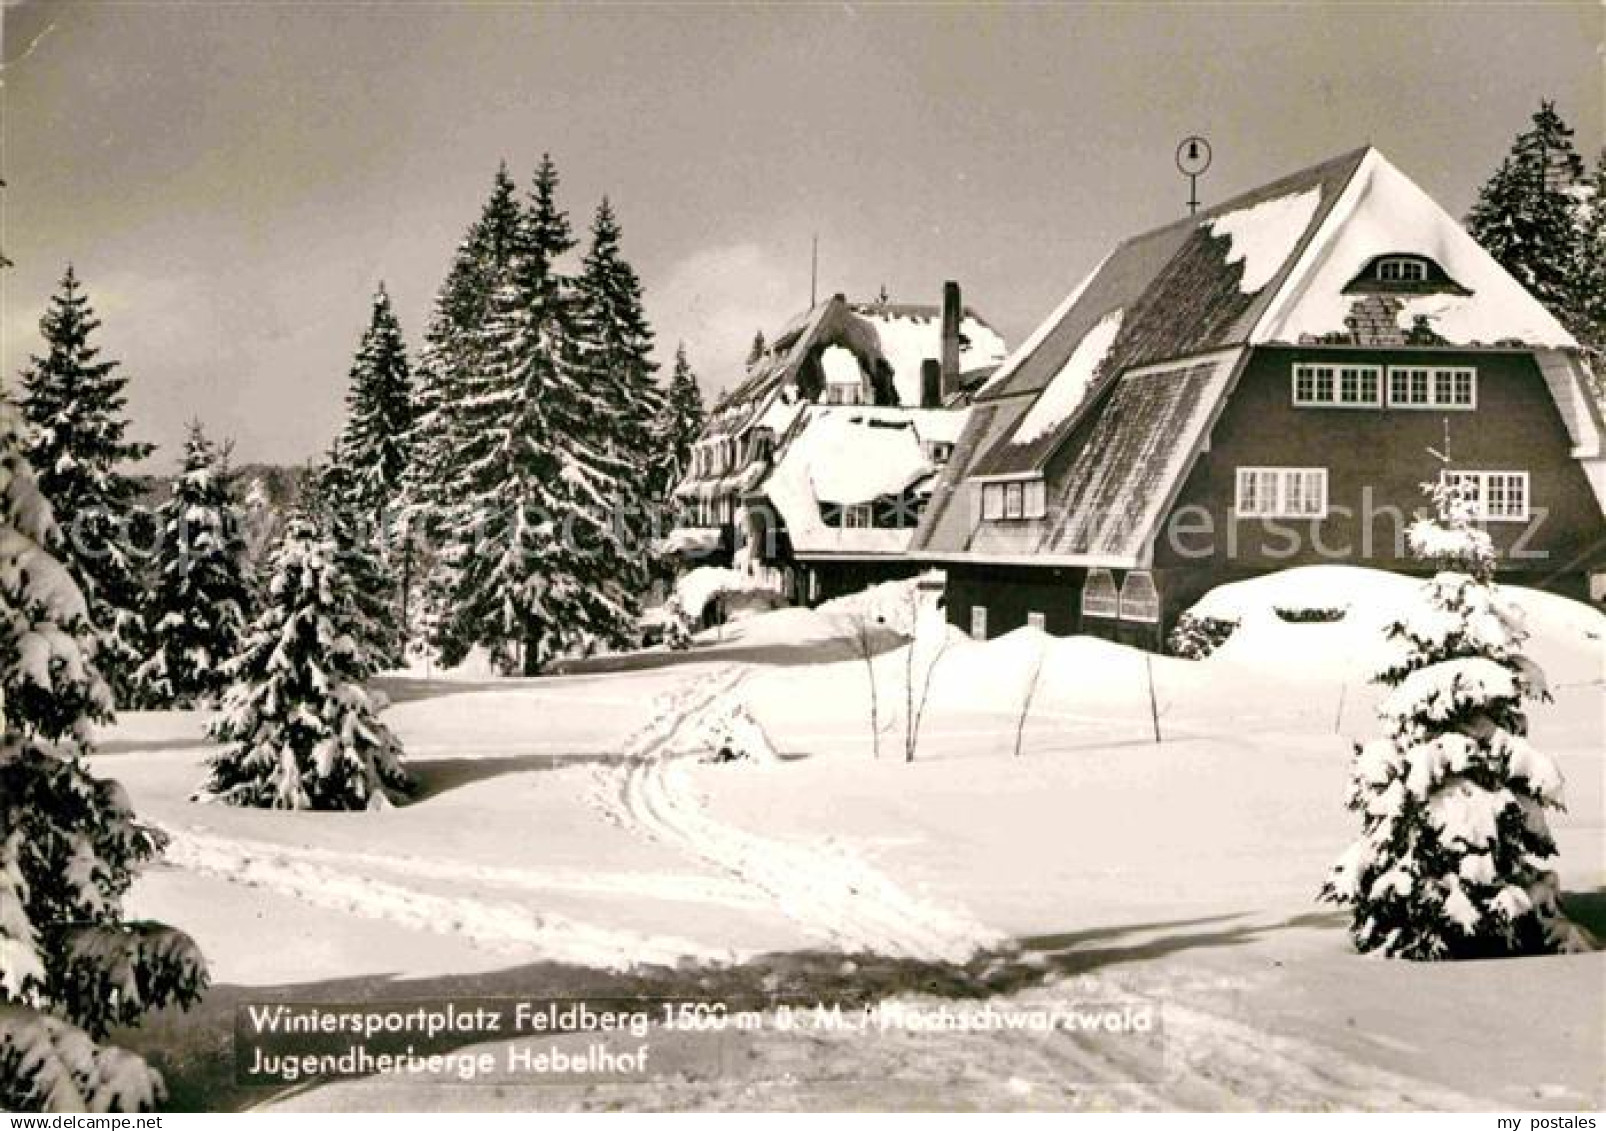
{"x": 1403, "y": 273}
{"x": 1401, "y": 269}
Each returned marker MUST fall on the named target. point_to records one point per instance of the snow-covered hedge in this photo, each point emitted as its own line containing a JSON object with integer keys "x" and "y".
{"x": 1195, "y": 637}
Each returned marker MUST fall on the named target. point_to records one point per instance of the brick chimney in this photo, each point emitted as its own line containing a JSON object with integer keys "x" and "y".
{"x": 952, "y": 313}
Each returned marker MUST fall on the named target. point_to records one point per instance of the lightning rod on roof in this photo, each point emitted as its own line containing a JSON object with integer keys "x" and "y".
{"x": 814, "y": 272}
{"x": 1193, "y": 158}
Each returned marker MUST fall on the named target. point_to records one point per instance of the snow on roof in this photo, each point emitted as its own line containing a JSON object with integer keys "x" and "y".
{"x": 1187, "y": 288}
{"x": 911, "y": 334}
{"x": 845, "y": 455}
{"x": 1122, "y": 478}
{"x": 1065, "y": 392}
{"x": 852, "y": 460}
{"x": 781, "y": 413}
{"x": 1383, "y": 211}
{"x": 1264, "y": 235}
{"x": 1270, "y": 266}
{"x": 696, "y": 587}
{"x": 841, "y": 367}
{"x": 1027, "y": 348}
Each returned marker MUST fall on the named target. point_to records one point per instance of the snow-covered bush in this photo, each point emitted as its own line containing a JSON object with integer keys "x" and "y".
{"x": 71, "y": 968}
{"x": 698, "y": 589}
{"x": 1195, "y": 637}
{"x": 677, "y": 627}
{"x": 1313, "y": 614}
{"x": 302, "y": 731}
{"x": 734, "y": 735}
{"x": 1452, "y": 859}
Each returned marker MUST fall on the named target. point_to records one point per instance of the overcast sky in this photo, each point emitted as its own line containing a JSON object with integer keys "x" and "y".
{"x": 232, "y": 180}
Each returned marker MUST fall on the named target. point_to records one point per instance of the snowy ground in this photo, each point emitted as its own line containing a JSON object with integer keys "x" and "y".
{"x": 564, "y": 846}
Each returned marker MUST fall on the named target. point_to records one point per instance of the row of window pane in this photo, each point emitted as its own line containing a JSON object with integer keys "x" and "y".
{"x": 711, "y": 512}
{"x": 1281, "y": 492}
{"x": 1496, "y": 495}
{"x": 1136, "y": 599}
{"x": 1020, "y": 499}
{"x": 1424, "y": 387}
{"x": 1409, "y": 386}
{"x": 1401, "y": 271}
{"x": 1338, "y": 385}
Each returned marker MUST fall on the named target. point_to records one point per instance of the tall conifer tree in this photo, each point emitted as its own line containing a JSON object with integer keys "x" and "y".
{"x": 1526, "y": 214}
{"x": 75, "y": 405}
{"x": 72, "y": 968}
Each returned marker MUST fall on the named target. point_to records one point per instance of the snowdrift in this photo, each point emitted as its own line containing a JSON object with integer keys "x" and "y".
{"x": 1566, "y": 638}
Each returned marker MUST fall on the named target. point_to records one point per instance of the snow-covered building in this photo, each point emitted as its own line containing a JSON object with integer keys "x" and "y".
{"x": 1266, "y": 384}
{"x": 817, "y": 466}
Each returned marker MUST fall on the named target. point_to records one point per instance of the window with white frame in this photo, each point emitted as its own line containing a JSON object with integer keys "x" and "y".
{"x": 1014, "y": 500}
{"x": 1401, "y": 269}
{"x": 939, "y": 451}
{"x": 992, "y": 502}
{"x": 1140, "y": 600}
{"x": 1281, "y": 492}
{"x": 1433, "y": 386}
{"x": 1037, "y": 621}
{"x": 978, "y": 622}
{"x": 1338, "y": 386}
{"x": 1497, "y": 496}
{"x": 1099, "y": 595}
{"x": 858, "y": 516}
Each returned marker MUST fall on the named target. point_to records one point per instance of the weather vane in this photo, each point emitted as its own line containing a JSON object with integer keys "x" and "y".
{"x": 1193, "y": 158}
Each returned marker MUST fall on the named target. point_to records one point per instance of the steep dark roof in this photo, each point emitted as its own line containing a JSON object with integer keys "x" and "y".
{"x": 1178, "y": 295}
{"x": 1111, "y": 398}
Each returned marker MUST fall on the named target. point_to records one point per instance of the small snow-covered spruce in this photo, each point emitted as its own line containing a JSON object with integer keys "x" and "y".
{"x": 378, "y": 623}
{"x": 1452, "y": 860}
{"x": 75, "y": 405}
{"x": 200, "y": 602}
{"x": 71, "y": 967}
{"x": 302, "y": 732}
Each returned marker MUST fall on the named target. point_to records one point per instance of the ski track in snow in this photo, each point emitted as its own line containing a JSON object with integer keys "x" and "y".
{"x": 497, "y": 925}
{"x": 824, "y": 888}
{"x": 667, "y": 886}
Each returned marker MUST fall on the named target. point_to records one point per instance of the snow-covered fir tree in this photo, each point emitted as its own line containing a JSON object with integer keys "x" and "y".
{"x": 1525, "y": 215}
{"x": 449, "y": 359}
{"x": 363, "y": 484}
{"x": 680, "y": 422}
{"x": 532, "y": 476}
{"x": 613, "y": 341}
{"x": 611, "y": 351}
{"x": 374, "y": 444}
{"x": 756, "y": 351}
{"x": 1453, "y": 858}
{"x": 75, "y": 405}
{"x": 364, "y": 554}
{"x": 1590, "y": 270}
{"x": 301, "y": 730}
{"x": 200, "y": 598}
{"x": 71, "y": 967}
